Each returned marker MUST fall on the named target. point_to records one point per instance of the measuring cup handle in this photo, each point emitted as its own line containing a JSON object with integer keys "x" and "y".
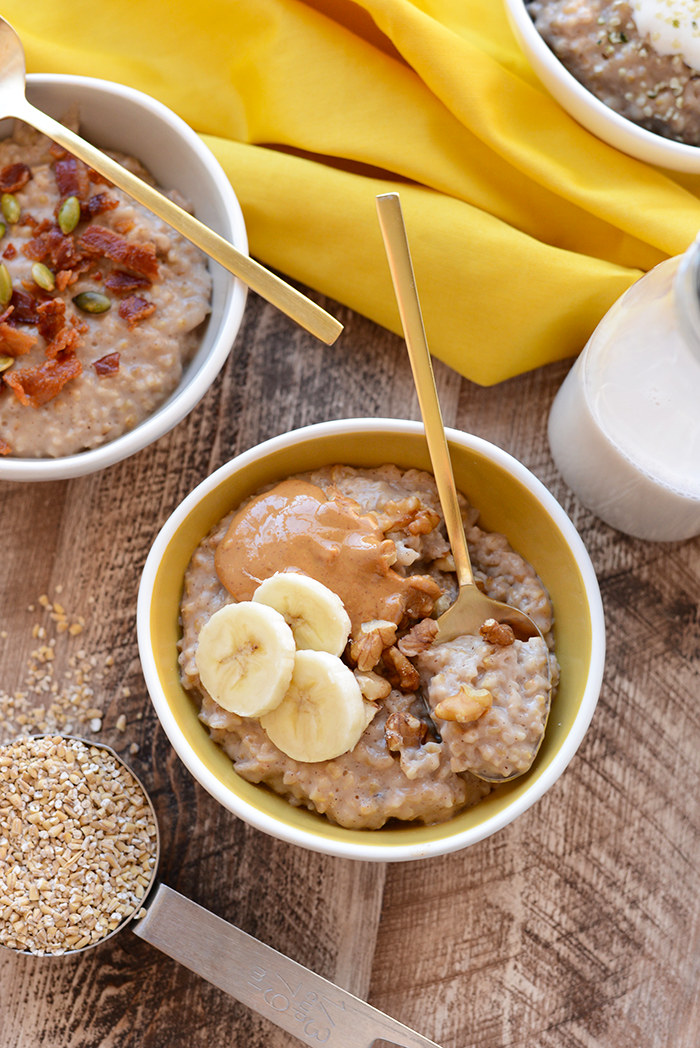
{"x": 291, "y": 996}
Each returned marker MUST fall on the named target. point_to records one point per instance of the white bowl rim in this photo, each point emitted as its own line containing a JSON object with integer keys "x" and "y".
{"x": 598, "y": 118}
{"x": 366, "y": 851}
{"x": 180, "y": 404}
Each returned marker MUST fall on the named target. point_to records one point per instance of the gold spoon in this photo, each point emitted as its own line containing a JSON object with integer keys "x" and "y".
{"x": 290, "y": 301}
{"x": 472, "y": 607}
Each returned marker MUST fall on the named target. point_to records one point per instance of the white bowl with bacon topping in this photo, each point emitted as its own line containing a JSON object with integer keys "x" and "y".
{"x": 112, "y": 325}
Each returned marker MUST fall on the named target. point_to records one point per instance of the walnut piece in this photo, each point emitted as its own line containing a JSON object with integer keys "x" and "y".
{"x": 497, "y": 633}
{"x": 400, "y": 672}
{"x": 373, "y": 637}
{"x": 402, "y": 730}
{"x": 373, "y": 687}
{"x": 419, "y": 638}
{"x": 423, "y": 523}
{"x": 467, "y": 705}
{"x": 408, "y": 514}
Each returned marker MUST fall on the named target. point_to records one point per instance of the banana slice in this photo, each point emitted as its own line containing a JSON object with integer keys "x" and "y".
{"x": 315, "y": 614}
{"x": 245, "y": 658}
{"x": 323, "y": 713}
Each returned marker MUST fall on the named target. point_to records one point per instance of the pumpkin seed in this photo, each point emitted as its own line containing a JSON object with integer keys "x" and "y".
{"x": 5, "y": 286}
{"x": 43, "y": 276}
{"x": 9, "y": 204}
{"x": 69, "y": 214}
{"x": 3, "y": 229}
{"x": 92, "y": 302}
{"x": 5, "y": 363}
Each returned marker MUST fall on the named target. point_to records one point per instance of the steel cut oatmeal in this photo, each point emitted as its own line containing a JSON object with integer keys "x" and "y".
{"x": 434, "y": 722}
{"x": 641, "y": 58}
{"x": 100, "y": 302}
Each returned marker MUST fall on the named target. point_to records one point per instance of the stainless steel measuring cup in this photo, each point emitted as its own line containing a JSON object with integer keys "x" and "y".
{"x": 294, "y": 998}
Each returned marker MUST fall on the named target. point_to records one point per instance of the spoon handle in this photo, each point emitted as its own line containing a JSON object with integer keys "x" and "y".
{"x": 270, "y": 287}
{"x": 396, "y": 244}
{"x": 289, "y": 995}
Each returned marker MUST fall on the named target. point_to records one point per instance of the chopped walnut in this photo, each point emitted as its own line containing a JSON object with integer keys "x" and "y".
{"x": 497, "y": 633}
{"x": 419, "y": 638}
{"x": 373, "y": 687}
{"x": 446, "y": 563}
{"x": 402, "y": 730}
{"x": 424, "y": 522}
{"x": 401, "y": 672}
{"x": 467, "y": 705}
{"x": 367, "y": 647}
{"x": 421, "y": 601}
{"x": 397, "y": 515}
{"x": 408, "y": 514}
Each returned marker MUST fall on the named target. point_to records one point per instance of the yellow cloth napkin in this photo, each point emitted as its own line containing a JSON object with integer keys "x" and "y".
{"x": 524, "y": 227}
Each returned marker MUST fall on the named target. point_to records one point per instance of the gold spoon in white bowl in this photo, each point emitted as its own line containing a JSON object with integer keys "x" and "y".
{"x": 13, "y": 103}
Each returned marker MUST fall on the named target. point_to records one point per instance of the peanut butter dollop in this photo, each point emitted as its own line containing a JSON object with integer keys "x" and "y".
{"x": 295, "y": 527}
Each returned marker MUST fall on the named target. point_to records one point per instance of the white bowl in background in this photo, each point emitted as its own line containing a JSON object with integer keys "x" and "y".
{"x": 593, "y": 114}
{"x": 116, "y": 117}
{"x": 510, "y": 499}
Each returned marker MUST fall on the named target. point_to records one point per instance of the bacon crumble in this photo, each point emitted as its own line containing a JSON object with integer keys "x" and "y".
{"x": 13, "y": 177}
{"x": 66, "y": 341}
{"x": 52, "y": 317}
{"x": 71, "y": 177}
{"x": 59, "y": 247}
{"x": 97, "y": 204}
{"x": 123, "y": 283}
{"x": 24, "y": 307}
{"x": 134, "y": 309}
{"x": 97, "y": 179}
{"x": 107, "y": 365}
{"x": 64, "y": 278}
{"x": 13, "y": 342}
{"x": 38, "y": 385}
{"x": 99, "y": 241}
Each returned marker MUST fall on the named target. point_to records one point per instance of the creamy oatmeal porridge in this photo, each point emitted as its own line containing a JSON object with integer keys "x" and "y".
{"x": 641, "y": 58}
{"x": 100, "y": 302}
{"x": 432, "y": 722}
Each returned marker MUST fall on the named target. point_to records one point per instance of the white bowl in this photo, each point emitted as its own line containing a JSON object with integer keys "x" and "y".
{"x": 510, "y": 499}
{"x": 593, "y": 114}
{"x": 117, "y": 117}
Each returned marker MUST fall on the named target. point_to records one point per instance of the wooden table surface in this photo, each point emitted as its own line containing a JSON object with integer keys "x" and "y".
{"x": 578, "y": 925}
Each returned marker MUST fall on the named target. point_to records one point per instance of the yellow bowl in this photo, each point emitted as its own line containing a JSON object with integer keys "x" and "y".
{"x": 510, "y": 499}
